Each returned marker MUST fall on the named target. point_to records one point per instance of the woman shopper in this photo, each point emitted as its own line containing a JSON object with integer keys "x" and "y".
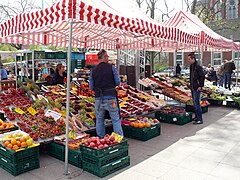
{"x": 59, "y": 75}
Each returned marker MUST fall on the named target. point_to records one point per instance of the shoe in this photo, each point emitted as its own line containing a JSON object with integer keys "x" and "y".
{"x": 197, "y": 122}
{"x": 194, "y": 119}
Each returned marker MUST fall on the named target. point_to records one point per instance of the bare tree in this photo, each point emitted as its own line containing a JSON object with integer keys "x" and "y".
{"x": 9, "y": 9}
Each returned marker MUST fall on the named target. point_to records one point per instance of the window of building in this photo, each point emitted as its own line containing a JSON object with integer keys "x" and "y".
{"x": 237, "y": 59}
{"x": 232, "y": 10}
{"x": 216, "y": 58}
{"x": 218, "y": 9}
{"x": 179, "y": 58}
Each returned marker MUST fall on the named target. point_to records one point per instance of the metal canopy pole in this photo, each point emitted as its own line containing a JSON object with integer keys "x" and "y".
{"x": 16, "y": 68}
{"x": 68, "y": 93}
{"x": 33, "y": 66}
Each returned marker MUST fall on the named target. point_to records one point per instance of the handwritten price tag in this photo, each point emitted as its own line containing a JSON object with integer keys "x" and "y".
{"x": 19, "y": 111}
{"x": 31, "y": 111}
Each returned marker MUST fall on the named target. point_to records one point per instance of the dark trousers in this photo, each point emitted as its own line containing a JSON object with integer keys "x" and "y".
{"x": 227, "y": 80}
{"x": 196, "y": 95}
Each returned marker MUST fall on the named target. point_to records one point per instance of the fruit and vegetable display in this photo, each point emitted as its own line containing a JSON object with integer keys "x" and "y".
{"x": 172, "y": 110}
{"x": 140, "y": 122}
{"x": 99, "y": 143}
{"x": 16, "y": 140}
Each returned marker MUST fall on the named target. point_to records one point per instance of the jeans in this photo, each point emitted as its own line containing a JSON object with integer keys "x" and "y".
{"x": 220, "y": 80}
{"x": 110, "y": 105}
{"x": 227, "y": 80}
{"x": 196, "y": 102}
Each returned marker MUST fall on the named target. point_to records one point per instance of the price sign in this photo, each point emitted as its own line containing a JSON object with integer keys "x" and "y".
{"x": 31, "y": 111}
{"x": 117, "y": 137}
{"x": 19, "y": 111}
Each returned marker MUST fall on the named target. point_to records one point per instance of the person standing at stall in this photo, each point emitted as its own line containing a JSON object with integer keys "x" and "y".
{"x": 196, "y": 83}
{"x": 103, "y": 80}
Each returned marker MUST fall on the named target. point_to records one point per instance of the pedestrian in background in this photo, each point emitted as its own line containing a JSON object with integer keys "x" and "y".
{"x": 220, "y": 72}
{"x": 178, "y": 70}
{"x": 196, "y": 83}
{"x": 228, "y": 68}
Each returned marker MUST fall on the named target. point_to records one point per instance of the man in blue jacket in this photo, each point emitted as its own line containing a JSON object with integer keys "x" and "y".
{"x": 196, "y": 84}
{"x": 103, "y": 80}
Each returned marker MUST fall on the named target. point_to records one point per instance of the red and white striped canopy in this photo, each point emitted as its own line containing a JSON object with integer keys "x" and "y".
{"x": 192, "y": 24}
{"x": 97, "y": 24}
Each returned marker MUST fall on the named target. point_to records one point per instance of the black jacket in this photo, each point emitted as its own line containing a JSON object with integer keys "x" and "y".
{"x": 196, "y": 76}
{"x": 229, "y": 67}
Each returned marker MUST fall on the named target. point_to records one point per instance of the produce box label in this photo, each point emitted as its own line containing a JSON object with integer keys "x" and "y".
{"x": 54, "y": 114}
{"x": 31, "y": 111}
{"x": 19, "y": 111}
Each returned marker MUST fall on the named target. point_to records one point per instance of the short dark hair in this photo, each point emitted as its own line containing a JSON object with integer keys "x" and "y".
{"x": 192, "y": 56}
{"x": 101, "y": 53}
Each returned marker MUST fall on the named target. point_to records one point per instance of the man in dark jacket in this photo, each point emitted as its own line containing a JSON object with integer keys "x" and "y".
{"x": 103, "y": 80}
{"x": 228, "y": 68}
{"x": 196, "y": 84}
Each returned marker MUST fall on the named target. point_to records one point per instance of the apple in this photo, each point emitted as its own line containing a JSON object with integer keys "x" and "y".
{"x": 102, "y": 141}
{"x": 29, "y": 141}
{"x": 100, "y": 146}
{"x": 112, "y": 138}
{"x": 105, "y": 145}
{"x": 115, "y": 142}
{"x": 92, "y": 144}
{"x": 86, "y": 144}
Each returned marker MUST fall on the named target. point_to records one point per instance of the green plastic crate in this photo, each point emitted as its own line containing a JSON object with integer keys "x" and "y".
{"x": 98, "y": 153}
{"x": 142, "y": 134}
{"x": 16, "y": 157}
{"x": 190, "y": 108}
{"x": 20, "y": 167}
{"x": 75, "y": 158}
{"x": 58, "y": 151}
{"x": 178, "y": 119}
{"x": 115, "y": 155}
{"x": 215, "y": 102}
{"x": 231, "y": 104}
{"x": 102, "y": 171}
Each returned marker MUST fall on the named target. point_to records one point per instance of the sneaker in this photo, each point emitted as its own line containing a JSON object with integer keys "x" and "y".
{"x": 197, "y": 122}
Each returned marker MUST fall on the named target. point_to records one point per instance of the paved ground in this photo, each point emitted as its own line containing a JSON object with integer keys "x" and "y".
{"x": 210, "y": 152}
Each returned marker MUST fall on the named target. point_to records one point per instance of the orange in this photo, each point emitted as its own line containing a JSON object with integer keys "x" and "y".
{"x": 136, "y": 125}
{"x": 18, "y": 143}
{"x": 4, "y": 124}
{"x": 6, "y": 143}
{"x": 1, "y": 127}
{"x": 22, "y": 139}
{"x": 148, "y": 125}
{"x": 9, "y": 146}
{"x": 14, "y": 141}
{"x": 15, "y": 147}
{"x": 140, "y": 125}
{"x": 23, "y": 144}
{"x": 132, "y": 124}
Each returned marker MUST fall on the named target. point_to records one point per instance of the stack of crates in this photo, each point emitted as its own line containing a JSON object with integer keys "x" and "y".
{"x": 19, "y": 162}
{"x": 105, "y": 161}
{"x": 58, "y": 151}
